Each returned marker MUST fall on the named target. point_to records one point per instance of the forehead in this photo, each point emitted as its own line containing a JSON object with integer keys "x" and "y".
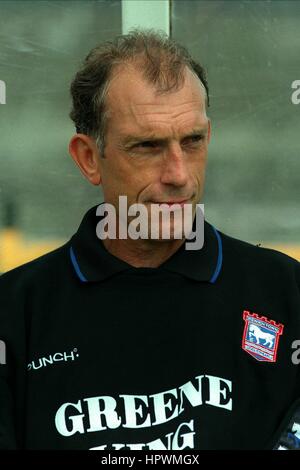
{"x": 133, "y": 103}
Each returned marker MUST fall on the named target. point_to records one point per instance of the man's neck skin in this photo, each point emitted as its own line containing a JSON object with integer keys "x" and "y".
{"x": 143, "y": 253}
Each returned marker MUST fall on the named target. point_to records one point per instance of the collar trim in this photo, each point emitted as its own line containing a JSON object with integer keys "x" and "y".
{"x": 76, "y": 266}
{"x": 93, "y": 263}
{"x": 220, "y": 257}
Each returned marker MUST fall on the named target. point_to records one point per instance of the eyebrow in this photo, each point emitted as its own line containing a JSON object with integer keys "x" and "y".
{"x": 133, "y": 139}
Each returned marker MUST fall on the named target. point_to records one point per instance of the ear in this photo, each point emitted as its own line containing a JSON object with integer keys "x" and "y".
{"x": 85, "y": 153}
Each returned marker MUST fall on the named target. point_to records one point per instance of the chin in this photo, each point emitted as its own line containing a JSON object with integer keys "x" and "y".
{"x": 171, "y": 233}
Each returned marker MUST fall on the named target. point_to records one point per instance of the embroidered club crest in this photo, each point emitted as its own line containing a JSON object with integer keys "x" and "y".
{"x": 261, "y": 337}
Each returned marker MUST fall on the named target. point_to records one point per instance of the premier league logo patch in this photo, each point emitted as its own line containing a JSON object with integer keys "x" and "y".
{"x": 261, "y": 337}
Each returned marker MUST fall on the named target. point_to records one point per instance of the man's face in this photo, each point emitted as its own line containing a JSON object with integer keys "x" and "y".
{"x": 156, "y": 145}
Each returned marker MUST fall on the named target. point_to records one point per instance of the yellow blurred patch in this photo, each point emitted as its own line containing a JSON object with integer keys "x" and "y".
{"x": 14, "y": 250}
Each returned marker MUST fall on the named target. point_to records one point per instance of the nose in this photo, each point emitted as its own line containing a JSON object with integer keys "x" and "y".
{"x": 174, "y": 167}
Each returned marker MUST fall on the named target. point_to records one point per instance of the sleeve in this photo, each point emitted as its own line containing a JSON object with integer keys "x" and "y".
{"x": 12, "y": 365}
{"x": 7, "y": 428}
{"x": 288, "y": 436}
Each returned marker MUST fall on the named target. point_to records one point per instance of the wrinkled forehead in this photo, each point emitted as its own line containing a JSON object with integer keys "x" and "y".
{"x": 129, "y": 92}
{"x": 132, "y": 101}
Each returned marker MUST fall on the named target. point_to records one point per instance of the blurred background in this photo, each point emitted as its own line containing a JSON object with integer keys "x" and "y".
{"x": 251, "y": 53}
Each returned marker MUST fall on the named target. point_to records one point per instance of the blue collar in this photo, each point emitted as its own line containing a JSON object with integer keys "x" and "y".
{"x": 92, "y": 262}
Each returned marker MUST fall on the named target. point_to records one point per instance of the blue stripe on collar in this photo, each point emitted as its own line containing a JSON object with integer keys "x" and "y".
{"x": 76, "y": 266}
{"x": 220, "y": 257}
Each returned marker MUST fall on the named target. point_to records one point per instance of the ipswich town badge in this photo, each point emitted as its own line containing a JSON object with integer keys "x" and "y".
{"x": 261, "y": 337}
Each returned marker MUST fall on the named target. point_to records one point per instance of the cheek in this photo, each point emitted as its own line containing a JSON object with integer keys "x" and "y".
{"x": 197, "y": 174}
{"x": 113, "y": 173}
{"x": 120, "y": 181}
{"x": 197, "y": 166}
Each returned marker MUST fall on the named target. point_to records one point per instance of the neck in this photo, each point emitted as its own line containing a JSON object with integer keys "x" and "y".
{"x": 142, "y": 253}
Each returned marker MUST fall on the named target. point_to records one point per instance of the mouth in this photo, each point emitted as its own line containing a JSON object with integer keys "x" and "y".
{"x": 180, "y": 202}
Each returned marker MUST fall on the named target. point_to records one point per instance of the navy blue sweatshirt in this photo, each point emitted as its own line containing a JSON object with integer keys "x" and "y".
{"x": 195, "y": 354}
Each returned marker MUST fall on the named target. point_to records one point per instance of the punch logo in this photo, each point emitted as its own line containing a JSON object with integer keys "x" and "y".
{"x": 2, "y": 92}
{"x": 2, "y": 352}
{"x": 53, "y": 359}
{"x": 261, "y": 337}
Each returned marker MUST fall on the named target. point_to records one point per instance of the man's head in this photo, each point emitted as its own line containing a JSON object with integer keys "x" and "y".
{"x": 139, "y": 106}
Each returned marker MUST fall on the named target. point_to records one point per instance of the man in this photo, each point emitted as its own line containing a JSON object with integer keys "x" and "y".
{"x": 122, "y": 343}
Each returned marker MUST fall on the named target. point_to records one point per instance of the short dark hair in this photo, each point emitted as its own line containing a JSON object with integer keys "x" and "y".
{"x": 161, "y": 60}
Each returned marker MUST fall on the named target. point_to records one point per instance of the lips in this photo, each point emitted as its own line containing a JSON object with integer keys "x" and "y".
{"x": 171, "y": 203}
{"x": 181, "y": 203}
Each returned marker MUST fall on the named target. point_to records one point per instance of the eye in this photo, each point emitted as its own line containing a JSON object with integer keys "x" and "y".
{"x": 147, "y": 144}
{"x": 193, "y": 139}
